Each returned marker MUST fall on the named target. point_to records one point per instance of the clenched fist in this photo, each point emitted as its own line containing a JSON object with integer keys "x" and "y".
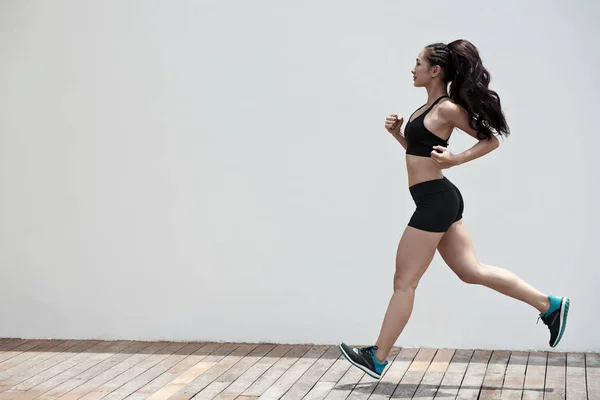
{"x": 393, "y": 124}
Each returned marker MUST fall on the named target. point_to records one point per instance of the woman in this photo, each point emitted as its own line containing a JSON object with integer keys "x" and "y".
{"x": 437, "y": 222}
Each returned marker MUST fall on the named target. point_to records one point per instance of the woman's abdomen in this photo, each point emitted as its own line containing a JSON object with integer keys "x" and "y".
{"x": 421, "y": 169}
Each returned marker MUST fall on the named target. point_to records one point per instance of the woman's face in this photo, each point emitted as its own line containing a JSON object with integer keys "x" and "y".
{"x": 422, "y": 73}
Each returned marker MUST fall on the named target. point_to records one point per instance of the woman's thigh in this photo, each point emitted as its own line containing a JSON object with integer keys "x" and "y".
{"x": 415, "y": 252}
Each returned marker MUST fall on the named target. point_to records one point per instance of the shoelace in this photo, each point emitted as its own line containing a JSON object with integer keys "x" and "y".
{"x": 543, "y": 320}
{"x": 370, "y": 349}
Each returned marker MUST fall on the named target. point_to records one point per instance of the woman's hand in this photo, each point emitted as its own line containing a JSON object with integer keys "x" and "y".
{"x": 393, "y": 124}
{"x": 442, "y": 158}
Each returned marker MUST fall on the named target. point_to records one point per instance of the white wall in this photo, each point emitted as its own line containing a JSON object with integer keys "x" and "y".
{"x": 210, "y": 170}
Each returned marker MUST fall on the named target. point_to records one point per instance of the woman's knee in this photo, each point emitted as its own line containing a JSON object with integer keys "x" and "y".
{"x": 474, "y": 275}
{"x": 404, "y": 284}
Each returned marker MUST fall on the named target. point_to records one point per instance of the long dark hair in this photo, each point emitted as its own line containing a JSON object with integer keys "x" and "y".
{"x": 469, "y": 81}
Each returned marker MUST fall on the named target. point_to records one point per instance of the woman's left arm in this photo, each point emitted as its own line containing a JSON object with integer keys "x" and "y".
{"x": 458, "y": 117}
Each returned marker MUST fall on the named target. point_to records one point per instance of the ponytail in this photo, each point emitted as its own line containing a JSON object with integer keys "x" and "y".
{"x": 469, "y": 86}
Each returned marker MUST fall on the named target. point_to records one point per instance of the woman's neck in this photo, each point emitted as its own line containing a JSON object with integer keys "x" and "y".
{"x": 434, "y": 92}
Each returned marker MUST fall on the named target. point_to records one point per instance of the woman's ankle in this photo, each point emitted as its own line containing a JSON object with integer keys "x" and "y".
{"x": 380, "y": 356}
{"x": 544, "y": 305}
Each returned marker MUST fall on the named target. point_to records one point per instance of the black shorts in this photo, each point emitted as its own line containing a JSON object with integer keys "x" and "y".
{"x": 439, "y": 205}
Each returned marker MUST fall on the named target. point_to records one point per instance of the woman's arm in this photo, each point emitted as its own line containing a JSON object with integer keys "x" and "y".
{"x": 458, "y": 117}
{"x": 393, "y": 124}
{"x": 481, "y": 148}
{"x": 400, "y": 138}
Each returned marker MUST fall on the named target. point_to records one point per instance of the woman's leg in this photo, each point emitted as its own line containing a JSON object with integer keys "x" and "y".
{"x": 415, "y": 252}
{"x": 456, "y": 248}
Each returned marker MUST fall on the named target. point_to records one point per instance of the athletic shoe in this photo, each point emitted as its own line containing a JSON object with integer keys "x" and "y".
{"x": 556, "y": 318}
{"x": 364, "y": 358}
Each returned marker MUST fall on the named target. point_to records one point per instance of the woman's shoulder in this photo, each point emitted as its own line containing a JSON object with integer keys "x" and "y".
{"x": 454, "y": 114}
{"x": 449, "y": 109}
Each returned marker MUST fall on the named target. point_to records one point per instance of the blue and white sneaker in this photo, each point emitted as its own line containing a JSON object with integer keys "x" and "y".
{"x": 556, "y": 318}
{"x": 364, "y": 358}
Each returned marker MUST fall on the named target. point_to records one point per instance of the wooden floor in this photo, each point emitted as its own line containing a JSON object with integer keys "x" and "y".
{"x": 50, "y": 369}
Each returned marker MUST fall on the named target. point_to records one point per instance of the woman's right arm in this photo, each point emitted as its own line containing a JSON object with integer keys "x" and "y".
{"x": 393, "y": 124}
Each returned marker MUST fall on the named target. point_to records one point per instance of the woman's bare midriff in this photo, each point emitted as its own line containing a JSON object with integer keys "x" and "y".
{"x": 421, "y": 169}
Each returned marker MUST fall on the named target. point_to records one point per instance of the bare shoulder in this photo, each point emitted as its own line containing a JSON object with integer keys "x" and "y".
{"x": 457, "y": 116}
{"x": 451, "y": 111}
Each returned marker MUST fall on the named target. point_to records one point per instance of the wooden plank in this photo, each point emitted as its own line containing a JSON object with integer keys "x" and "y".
{"x": 555, "y": 376}
{"x": 239, "y": 369}
{"x": 346, "y": 384}
{"x": 113, "y": 370}
{"x": 413, "y": 376}
{"x": 251, "y": 375}
{"x": 4, "y": 342}
{"x": 471, "y": 384}
{"x": 396, "y": 370}
{"x": 26, "y": 355}
{"x": 363, "y": 389}
{"x": 316, "y": 371}
{"x": 30, "y": 376}
{"x": 533, "y": 389}
{"x": 592, "y": 363}
{"x": 194, "y": 372}
{"x": 79, "y": 381}
{"x": 329, "y": 380}
{"x": 454, "y": 375}
{"x": 73, "y": 366}
{"x": 19, "y": 351}
{"x": 186, "y": 362}
{"x": 191, "y": 389}
{"x": 291, "y": 376}
{"x": 319, "y": 391}
{"x": 432, "y": 379}
{"x": 217, "y": 386}
{"x": 60, "y": 384}
{"x": 106, "y": 389}
{"x": 335, "y": 373}
{"x": 180, "y": 352}
{"x": 491, "y": 388}
{"x": 275, "y": 371}
{"x": 41, "y": 355}
{"x": 576, "y": 385}
{"x": 512, "y": 389}
{"x": 141, "y": 352}
{"x": 69, "y": 360}
{"x": 12, "y": 344}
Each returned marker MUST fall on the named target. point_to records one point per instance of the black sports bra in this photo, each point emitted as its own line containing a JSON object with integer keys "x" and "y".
{"x": 420, "y": 140}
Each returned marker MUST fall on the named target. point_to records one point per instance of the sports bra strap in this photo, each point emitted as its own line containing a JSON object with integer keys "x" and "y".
{"x": 434, "y": 103}
{"x": 428, "y": 109}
